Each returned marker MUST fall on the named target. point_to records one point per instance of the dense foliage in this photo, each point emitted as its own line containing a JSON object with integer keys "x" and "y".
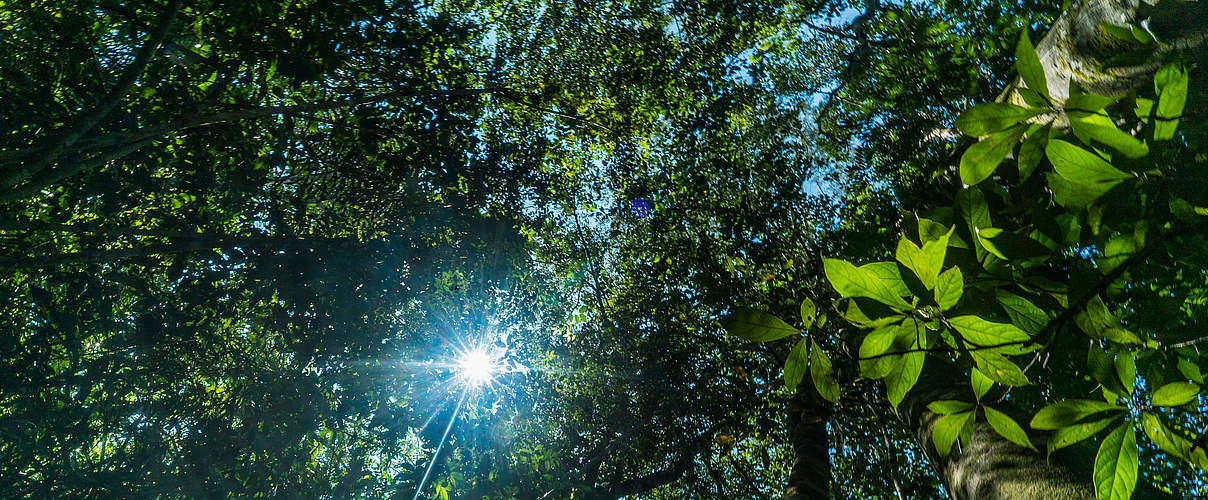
{"x": 242, "y": 243}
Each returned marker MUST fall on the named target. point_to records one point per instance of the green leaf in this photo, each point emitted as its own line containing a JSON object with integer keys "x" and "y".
{"x": 1067, "y": 412}
{"x": 914, "y": 259}
{"x": 809, "y": 312}
{"x": 1007, "y": 428}
{"x": 1171, "y": 82}
{"x": 889, "y": 275}
{"x": 937, "y": 250}
{"x": 1007, "y": 245}
{"x": 1172, "y": 443}
{"x": 1191, "y": 370}
{"x": 1023, "y": 313}
{"x": 878, "y": 341}
{"x": 1175, "y": 394}
{"x": 1005, "y": 338}
{"x": 823, "y": 374}
{"x": 852, "y": 281}
{"x": 794, "y": 366}
{"x": 999, "y": 368}
{"x": 1032, "y": 151}
{"x": 1032, "y": 98}
{"x": 989, "y": 117}
{"x": 1083, "y": 101}
{"x": 1126, "y": 369}
{"x": 1072, "y": 195}
{"x": 1101, "y": 128}
{"x": 1102, "y": 368}
{"x": 1082, "y": 167}
{"x": 756, "y": 326}
{"x": 1116, "y": 464}
{"x": 1027, "y": 63}
{"x": 947, "y": 429}
{"x": 949, "y": 406}
{"x": 1066, "y": 436}
{"x": 904, "y": 376}
{"x": 980, "y": 382}
{"x": 948, "y": 288}
{"x": 981, "y": 159}
{"x": 856, "y": 316}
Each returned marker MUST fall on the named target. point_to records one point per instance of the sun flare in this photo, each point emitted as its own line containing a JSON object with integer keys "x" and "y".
{"x": 476, "y": 367}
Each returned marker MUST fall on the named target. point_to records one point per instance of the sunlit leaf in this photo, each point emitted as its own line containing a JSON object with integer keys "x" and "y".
{"x": 823, "y": 374}
{"x": 1116, "y": 464}
{"x": 947, "y": 429}
{"x": 1067, "y": 412}
{"x": 852, "y": 281}
{"x": 1007, "y": 427}
{"x": 1175, "y": 394}
{"x": 981, "y": 159}
{"x": 756, "y": 326}
{"x": 1027, "y": 63}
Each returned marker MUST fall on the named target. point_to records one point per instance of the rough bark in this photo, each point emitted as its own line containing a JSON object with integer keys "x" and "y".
{"x": 1076, "y": 48}
{"x": 810, "y": 475}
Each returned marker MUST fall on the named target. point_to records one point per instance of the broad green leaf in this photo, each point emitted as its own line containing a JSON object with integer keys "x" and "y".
{"x": 980, "y": 160}
{"x": 1023, "y": 313}
{"x": 1027, "y": 63}
{"x": 1082, "y": 167}
{"x": 1175, "y": 394}
{"x": 1172, "y": 443}
{"x": 1126, "y": 369}
{"x": 1083, "y": 101}
{"x": 878, "y": 341}
{"x": 756, "y": 326}
{"x": 930, "y": 230}
{"x": 1071, "y": 228}
{"x": 936, "y": 251}
{"x": 1066, "y": 413}
{"x": 856, "y": 316}
{"x": 1032, "y": 98}
{"x": 1032, "y": 151}
{"x": 794, "y": 366}
{"x": 1116, "y": 464}
{"x": 904, "y": 376}
{"x": 948, "y": 288}
{"x": 949, "y": 406}
{"x": 809, "y": 312}
{"x": 852, "y": 281}
{"x": 1191, "y": 370}
{"x": 914, "y": 259}
{"x": 1072, "y": 195}
{"x": 1007, "y": 428}
{"x": 1101, "y": 128}
{"x": 947, "y": 429}
{"x": 999, "y": 368}
{"x": 1102, "y": 367}
{"x": 1171, "y": 82}
{"x": 1005, "y": 338}
{"x": 889, "y": 275}
{"x": 972, "y": 206}
{"x": 989, "y": 117}
{"x": 1007, "y": 245}
{"x": 823, "y": 374}
{"x": 1068, "y": 435}
{"x": 980, "y": 382}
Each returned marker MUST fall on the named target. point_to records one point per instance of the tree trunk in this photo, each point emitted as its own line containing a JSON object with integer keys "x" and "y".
{"x": 810, "y": 475}
{"x": 1076, "y": 47}
{"x": 989, "y": 467}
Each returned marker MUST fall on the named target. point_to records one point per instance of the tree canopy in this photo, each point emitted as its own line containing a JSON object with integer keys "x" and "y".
{"x": 720, "y": 249}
